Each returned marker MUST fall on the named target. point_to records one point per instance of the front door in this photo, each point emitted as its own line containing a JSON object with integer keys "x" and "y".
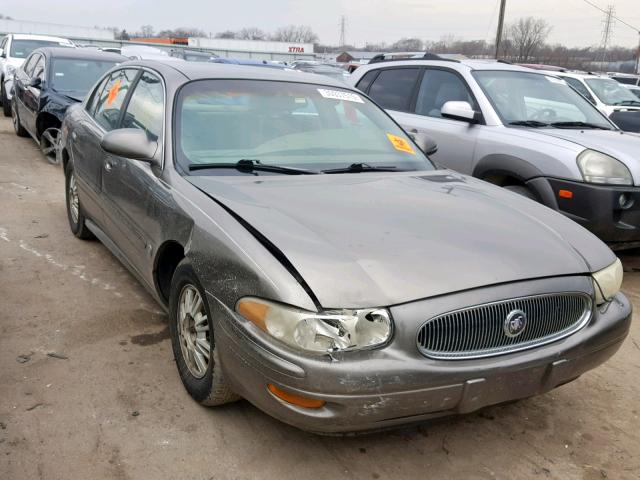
{"x": 131, "y": 187}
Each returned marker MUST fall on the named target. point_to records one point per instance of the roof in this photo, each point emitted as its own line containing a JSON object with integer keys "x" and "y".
{"x": 470, "y": 64}
{"x": 202, "y": 70}
{"x": 81, "y": 54}
{"x": 24, "y": 36}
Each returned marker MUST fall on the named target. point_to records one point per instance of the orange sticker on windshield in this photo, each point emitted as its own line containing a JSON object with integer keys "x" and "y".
{"x": 400, "y": 144}
{"x": 113, "y": 93}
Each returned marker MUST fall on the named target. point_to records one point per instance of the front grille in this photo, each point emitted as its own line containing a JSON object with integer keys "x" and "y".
{"x": 482, "y": 331}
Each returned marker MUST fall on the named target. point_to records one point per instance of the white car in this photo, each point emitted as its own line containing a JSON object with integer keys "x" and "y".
{"x": 634, "y": 89}
{"x": 609, "y": 96}
{"x": 14, "y": 48}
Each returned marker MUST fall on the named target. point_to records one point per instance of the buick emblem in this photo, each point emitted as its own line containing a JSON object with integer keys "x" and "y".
{"x": 515, "y": 323}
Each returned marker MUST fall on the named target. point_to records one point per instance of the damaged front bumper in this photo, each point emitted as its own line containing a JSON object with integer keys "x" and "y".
{"x": 396, "y": 385}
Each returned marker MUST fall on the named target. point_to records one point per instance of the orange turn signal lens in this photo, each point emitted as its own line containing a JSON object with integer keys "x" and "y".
{"x": 565, "y": 194}
{"x": 254, "y": 312}
{"x": 294, "y": 399}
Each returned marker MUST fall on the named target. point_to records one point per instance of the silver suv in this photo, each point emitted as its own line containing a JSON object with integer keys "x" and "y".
{"x": 521, "y": 129}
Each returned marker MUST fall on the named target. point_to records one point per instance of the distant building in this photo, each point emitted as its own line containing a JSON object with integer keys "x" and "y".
{"x": 163, "y": 41}
{"x": 66, "y": 31}
{"x": 255, "y": 49}
{"x": 356, "y": 57}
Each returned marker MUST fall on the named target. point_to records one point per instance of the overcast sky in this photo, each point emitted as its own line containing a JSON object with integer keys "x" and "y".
{"x": 574, "y": 22}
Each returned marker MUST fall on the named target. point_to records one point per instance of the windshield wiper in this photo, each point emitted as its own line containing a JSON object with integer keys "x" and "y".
{"x": 529, "y": 123}
{"x": 251, "y": 166}
{"x": 361, "y": 167}
{"x": 579, "y": 125}
{"x": 628, "y": 102}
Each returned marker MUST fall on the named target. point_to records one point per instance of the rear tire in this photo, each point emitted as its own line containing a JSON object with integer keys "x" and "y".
{"x": 522, "y": 190}
{"x": 193, "y": 340}
{"x": 74, "y": 209}
{"x": 6, "y": 104}
{"x": 15, "y": 119}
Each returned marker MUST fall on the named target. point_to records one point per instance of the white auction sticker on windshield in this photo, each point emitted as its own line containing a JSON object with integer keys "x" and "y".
{"x": 556, "y": 80}
{"x": 338, "y": 95}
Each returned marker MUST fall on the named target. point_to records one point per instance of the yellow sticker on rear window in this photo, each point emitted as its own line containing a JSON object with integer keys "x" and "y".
{"x": 113, "y": 93}
{"x": 400, "y": 144}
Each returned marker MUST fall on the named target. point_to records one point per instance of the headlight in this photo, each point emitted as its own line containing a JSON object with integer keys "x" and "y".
{"x": 10, "y": 70}
{"x": 597, "y": 167}
{"x": 607, "y": 282}
{"x": 327, "y": 331}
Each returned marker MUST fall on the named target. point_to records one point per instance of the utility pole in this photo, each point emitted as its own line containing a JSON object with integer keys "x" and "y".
{"x": 503, "y": 5}
{"x": 607, "y": 31}
{"x": 343, "y": 29}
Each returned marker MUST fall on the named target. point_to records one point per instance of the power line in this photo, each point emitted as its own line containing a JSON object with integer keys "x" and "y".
{"x": 612, "y": 16}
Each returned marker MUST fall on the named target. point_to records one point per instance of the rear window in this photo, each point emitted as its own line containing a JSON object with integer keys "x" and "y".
{"x": 23, "y": 48}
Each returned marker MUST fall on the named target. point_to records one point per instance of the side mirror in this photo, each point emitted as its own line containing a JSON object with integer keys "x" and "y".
{"x": 35, "y": 82}
{"x": 130, "y": 143}
{"x": 425, "y": 142}
{"x": 460, "y": 111}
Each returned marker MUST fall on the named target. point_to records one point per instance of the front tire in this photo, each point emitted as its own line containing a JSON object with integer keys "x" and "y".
{"x": 15, "y": 119}
{"x": 6, "y": 104}
{"x": 50, "y": 145}
{"x": 77, "y": 220}
{"x": 193, "y": 340}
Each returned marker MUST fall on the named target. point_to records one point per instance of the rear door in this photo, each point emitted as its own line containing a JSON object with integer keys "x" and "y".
{"x": 456, "y": 139}
{"x": 131, "y": 188}
{"x": 102, "y": 114}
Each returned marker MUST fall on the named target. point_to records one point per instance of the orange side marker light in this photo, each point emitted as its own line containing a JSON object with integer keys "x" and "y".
{"x": 294, "y": 399}
{"x": 565, "y": 194}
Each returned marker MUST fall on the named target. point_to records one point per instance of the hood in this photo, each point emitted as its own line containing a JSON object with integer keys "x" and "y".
{"x": 620, "y": 145}
{"x": 374, "y": 239}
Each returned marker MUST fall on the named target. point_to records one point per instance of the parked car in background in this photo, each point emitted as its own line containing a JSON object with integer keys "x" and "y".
{"x": 609, "y": 96}
{"x": 626, "y": 78}
{"x": 192, "y": 55}
{"x": 144, "y": 52}
{"x": 331, "y": 71}
{"x": 314, "y": 261}
{"x": 47, "y": 83}
{"x": 250, "y": 62}
{"x": 14, "y": 48}
{"x": 521, "y": 129}
{"x": 634, "y": 89}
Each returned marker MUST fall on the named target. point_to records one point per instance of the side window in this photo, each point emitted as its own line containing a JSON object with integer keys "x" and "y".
{"x": 393, "y": 88}
{"x": 109, "y": 103}
{"x": 365, "y": 81}
{"x": 146, "y": 106}
{"x": 29, "y": 64}
{"x": 3, "y": 43}
{"x": 38, "y": 68}
{"x": 93, "y": 99}
{"x": 579, "y": 86}
{"x": 439, "y": 87}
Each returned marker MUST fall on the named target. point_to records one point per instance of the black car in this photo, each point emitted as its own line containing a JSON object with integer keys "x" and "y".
{"x": 49, "y": 80}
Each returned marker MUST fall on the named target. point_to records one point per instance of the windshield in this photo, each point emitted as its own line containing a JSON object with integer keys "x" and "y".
{"x": 76, "y": 75}
{"x": 22, "y": 48}
{"x": 520, "y": 97}
{"x": 611, "y": 92}
{"x": 287, "y": 124}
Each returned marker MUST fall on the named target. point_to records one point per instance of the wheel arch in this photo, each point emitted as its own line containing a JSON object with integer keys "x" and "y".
{"x": 46, "y": 120}
{"x": 168, "y": 256}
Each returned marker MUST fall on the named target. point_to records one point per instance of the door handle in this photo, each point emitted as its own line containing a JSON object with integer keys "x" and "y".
{"x": 108, "y": 165}
{"x": 74, "y": 135}
{"x": 414, "y": 130}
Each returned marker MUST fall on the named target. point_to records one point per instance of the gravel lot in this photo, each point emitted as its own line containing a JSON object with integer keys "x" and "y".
{"x": 89, "y": 390}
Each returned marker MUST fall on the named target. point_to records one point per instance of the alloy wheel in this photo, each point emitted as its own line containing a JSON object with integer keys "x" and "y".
{"x": 50, "y": 144}
{"x": 194, "y": 331}
{"x": 73, "y": 199}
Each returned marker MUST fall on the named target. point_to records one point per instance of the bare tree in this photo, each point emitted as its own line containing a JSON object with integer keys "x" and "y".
{"x": 295, "y": 33}
{"x": 146, "y": 31}
{"x": 182, "y": 32}
{"x": 251, "y": 33}
{"x": 408, "y": 45}
{"x": 226, "y": 34}
{"x": 527, "y": 35}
